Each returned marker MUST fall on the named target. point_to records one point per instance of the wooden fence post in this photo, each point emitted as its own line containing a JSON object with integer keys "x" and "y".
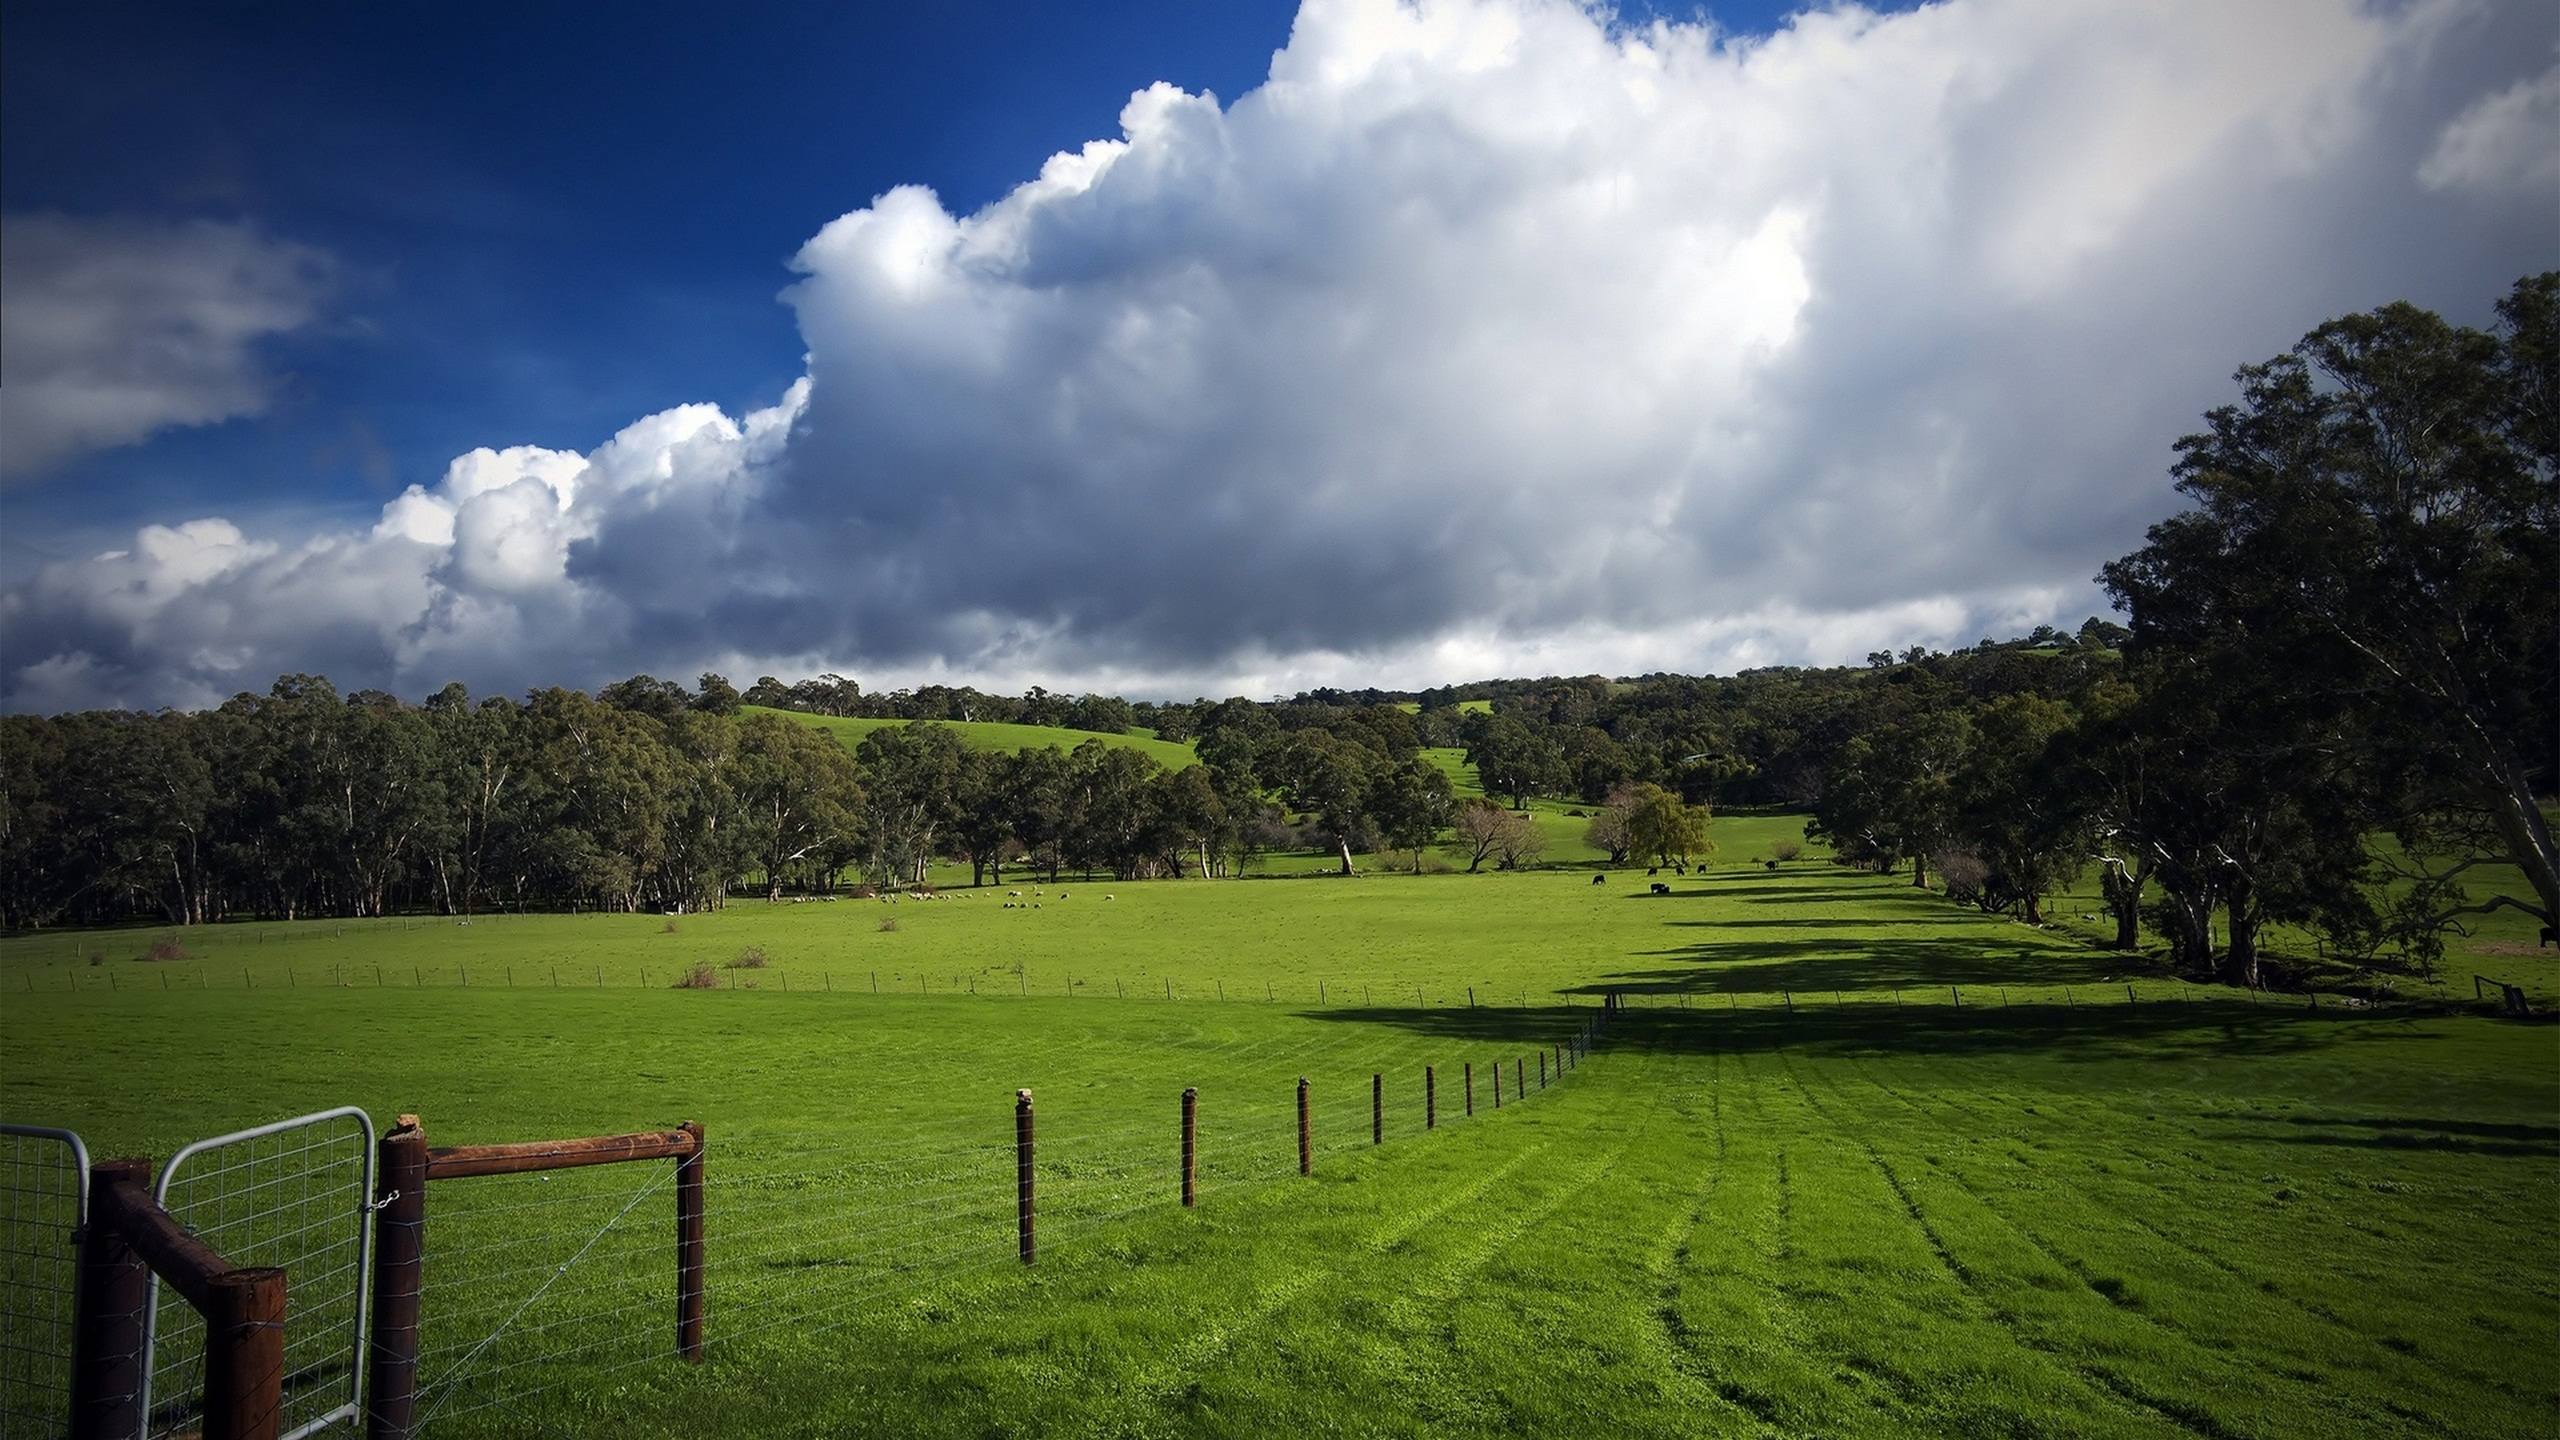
{"x": 1377, "y": 1108}
{"x": 1190, "y": 1146}
{"x": 1497, "y": 1084}
{"x": 1306, "y": 1137}
{"x": 1471, "y": 1089}
{"x": 1520, "y": 1077}
{"x": 399, "y": 1273}
{"x": 244, "y": 1355}
{"x": 114, "y": 1295}
{"x": 1430, "y": 1099}
{"x": 689, "y": 1248}
{"x": 1022, "y": 1169}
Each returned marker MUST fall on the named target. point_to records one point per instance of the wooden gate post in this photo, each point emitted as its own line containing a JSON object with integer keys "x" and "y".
{"x": 244, "y": 1355}
{"x": 399, "y": 1273}
{"x": 1022, "y": 1169}
{"x": 1190, "y": 1146}
{"x": 114, "y": 1295}
{"x": 1306, "y": 1137}
{"x": 689, "y": 1248}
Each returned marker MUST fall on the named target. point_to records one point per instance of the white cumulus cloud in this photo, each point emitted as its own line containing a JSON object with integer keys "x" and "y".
{"x": 1485, "y": 336}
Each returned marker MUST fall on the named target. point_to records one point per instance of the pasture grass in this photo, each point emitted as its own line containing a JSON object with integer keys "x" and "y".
{"x": 992, "y": 735}
{"x": 1854, "y": 1162}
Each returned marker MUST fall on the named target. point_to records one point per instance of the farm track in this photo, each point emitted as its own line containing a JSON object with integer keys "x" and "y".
{"x": 2416, "y": 1346}
{"x": 2242, "y": 1290}
{"x": 1985, "y": 1306}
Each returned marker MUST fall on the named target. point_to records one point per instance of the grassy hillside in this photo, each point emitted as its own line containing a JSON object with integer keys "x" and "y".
{"x": 986, "y": 735}
{"x": 1805, "y": 1187}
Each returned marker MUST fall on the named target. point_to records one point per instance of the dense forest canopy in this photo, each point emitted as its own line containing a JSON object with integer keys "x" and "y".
{"x": 2349, "y": 634}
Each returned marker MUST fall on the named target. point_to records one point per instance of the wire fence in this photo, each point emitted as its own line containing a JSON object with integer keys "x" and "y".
{"x": 43, "y": 1204}
{"x": 295, "y": 1196}
{"x": 539, "y": 1288}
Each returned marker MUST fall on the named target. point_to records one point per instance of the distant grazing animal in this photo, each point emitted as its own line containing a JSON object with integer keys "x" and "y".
{"x": 1768, "y": 864}
{"x": 1062, "y": 894}
{"x": 1679, "y": 869}
{"x": 2549, "y": 937}
{"x": 1110, "y": 897}
{"x": 1599, "y": 879}
{"x": 1661, "y": 889}
{"x": 1653, "y": 869}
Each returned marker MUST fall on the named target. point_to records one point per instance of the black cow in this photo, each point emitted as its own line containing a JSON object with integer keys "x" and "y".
{"x": 1599, "y": 879}
{"x": 1661, "y": 889}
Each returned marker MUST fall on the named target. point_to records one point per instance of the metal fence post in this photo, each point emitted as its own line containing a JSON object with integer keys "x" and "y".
{"x": 1022, "y": 1169}
{"x": 1471, "y": 1088}
{"x": 1377, "y": 1108}
{"x": 1306, "y": 1134}
{"x": 1430, "y": 1100}
{"x": 1190, "y": 1146}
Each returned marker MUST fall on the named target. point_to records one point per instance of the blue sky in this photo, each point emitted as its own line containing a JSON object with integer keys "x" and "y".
{"x": 1457, "y": 337}
{"x": 528, "y": 204}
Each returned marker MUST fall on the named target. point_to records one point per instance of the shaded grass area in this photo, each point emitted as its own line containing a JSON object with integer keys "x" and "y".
{"x": 1783, "y": 1199}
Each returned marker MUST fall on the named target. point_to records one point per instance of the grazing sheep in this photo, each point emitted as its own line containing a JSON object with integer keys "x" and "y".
{"x": 1599, "y": 879}
{"x": 1110, "y": 897}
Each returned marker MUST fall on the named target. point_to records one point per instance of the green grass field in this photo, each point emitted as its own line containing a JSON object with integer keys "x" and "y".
{"x": 1857, "y": 1162}
{"x": 989, "y": 735}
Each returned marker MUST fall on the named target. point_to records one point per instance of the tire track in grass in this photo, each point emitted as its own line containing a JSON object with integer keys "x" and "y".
{"x": 1419, "y": 1299}
{"x": 1176, "y": 1375}
{"x": 2168, "y": 1410}
{"x": 2426, "y": 1359}
{"x": 1684, "y": 1349}
{"x": 1212, "y": 1340}
{"x": 1789, "y": 1386}
{"x": 2414, "y": 1375}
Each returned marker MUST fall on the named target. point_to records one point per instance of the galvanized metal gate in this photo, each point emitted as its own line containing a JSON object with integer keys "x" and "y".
{"x": 296, "y": 1195}
{"x": 44, "y": 1202}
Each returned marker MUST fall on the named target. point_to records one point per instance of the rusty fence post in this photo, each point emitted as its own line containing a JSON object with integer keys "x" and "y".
{"x": 1022, "y": 1169}
{"x": 244, "y": 1355}
{"x": 1190, "y": 1146}
{"x": 1430, "y": 1099}
{"x": 1306, "y": 1135}
{"x": 689, "y": 1248}
{"x": 1377, "y": 1108}
{"x": 114, "y": 1296}
{"x": 399, "y": 1274}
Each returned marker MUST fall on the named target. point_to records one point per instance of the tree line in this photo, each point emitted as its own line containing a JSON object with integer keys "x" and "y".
{"x": 2333, "y": 698}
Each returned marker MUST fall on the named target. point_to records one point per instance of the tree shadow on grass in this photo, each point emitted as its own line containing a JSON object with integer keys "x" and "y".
{"x": 2385, "y": 1132}
{"x": 1769, "y": 967}
{"x": 2163, "y": 1031}
{"x": 1977, "y": 921}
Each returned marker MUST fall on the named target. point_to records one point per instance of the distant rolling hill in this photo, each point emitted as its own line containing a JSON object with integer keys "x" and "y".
{"x": 987, "y": 735}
